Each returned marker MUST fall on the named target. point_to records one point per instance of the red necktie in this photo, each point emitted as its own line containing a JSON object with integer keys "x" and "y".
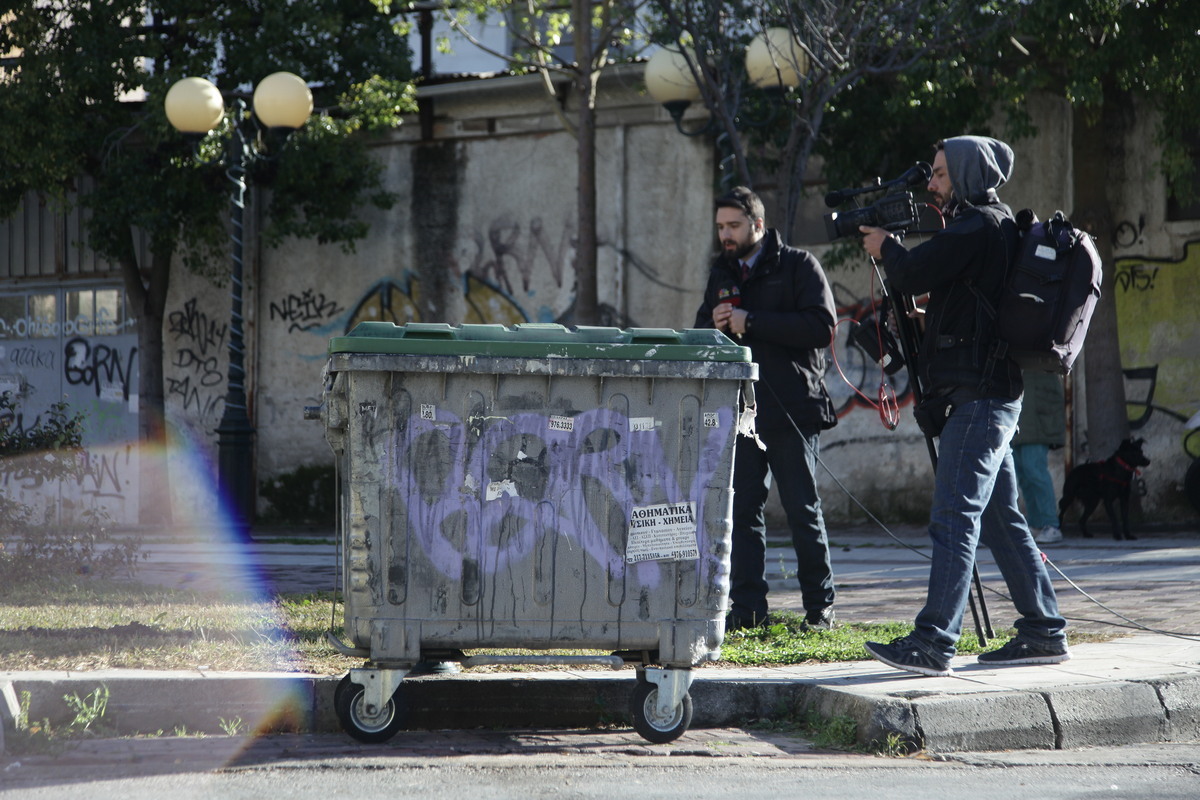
{"x": 745, "y": 270}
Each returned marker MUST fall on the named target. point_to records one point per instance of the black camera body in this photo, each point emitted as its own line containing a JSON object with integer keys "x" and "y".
{"x": 895, "y": 211}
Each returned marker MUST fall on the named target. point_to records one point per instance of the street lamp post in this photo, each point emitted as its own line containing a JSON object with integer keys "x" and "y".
{"x": 195, "y": 106}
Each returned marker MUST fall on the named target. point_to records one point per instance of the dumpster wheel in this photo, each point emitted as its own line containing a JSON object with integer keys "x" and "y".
{"x": 652, "y": 724}
{"x": 350, "y": 706}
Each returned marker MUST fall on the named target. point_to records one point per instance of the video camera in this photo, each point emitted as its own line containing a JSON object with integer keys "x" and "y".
{"x": 895, "y": 211}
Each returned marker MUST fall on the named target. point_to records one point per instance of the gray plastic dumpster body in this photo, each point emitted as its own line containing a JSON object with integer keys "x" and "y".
{"x": 531, "y": 487}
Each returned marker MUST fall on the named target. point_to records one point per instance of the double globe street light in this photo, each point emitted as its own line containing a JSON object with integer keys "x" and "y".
{"x": 775, "y": 62}
{"x": 281, "y": 102}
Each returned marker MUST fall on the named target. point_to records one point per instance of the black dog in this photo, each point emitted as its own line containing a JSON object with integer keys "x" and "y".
{"x": 1105, "y": 481}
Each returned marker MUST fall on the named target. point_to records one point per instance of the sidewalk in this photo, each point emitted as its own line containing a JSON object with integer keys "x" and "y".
{"x": 1142, "y": 687}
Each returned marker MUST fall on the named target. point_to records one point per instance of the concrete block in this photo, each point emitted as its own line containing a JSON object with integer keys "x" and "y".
{"x": 1107, "y": 714}
{"x": 10, "y": 710}
{"x": 724, "y": 703}
{"x": 986, "y": 721}
{"x": 1180, "y": 697}
{"x": 151, "y": 701}
{"x": 876, "y": 718}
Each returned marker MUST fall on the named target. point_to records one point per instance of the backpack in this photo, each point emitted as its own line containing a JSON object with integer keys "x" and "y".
{"x": 1050, "y": 292}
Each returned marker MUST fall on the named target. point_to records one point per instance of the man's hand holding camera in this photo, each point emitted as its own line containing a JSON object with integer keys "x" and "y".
{"x": 873, "y": 239}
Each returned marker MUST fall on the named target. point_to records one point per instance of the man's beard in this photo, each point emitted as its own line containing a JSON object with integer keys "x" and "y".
{"x": 743, "y": 250}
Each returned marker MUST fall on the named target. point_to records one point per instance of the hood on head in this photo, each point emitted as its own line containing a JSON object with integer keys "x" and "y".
{"x": 977, "y": 165}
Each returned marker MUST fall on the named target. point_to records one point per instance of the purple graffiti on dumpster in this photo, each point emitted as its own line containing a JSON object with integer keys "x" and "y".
{"x": 489, "y": 489}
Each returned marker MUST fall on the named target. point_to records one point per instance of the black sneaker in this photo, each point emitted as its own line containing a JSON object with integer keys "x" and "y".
{"x": 1018, "y": 652}
{"x": 903, "y": 653}
{"x": 822, "y": 620}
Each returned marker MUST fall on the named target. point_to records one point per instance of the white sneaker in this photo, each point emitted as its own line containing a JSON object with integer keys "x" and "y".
{"x": 1047, "y": 535}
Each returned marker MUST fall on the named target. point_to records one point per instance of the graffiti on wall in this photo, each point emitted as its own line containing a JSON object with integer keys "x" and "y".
{"x": 198, "y": 342}
{"x": 399, "y": 302}
{"x": 105, "y": 369}
{"x": 305, "y": 311}
{"x": 508, "y": 254}
{"x": 481, "y": 493}
{"x": 1158, "y": 330}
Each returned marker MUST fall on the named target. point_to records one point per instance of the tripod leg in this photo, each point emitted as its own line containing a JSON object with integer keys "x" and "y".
{"x": 987, "y": 622}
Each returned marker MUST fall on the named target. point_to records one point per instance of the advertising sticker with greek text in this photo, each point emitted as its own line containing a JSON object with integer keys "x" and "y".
{"x": 663, "y": 532}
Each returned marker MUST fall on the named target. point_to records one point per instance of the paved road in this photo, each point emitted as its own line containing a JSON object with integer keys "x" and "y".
{"x": 526, "y": 764}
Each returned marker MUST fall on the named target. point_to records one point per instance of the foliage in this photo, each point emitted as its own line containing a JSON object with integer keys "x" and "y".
{"x": 58, "y": 435}
{"x": 1112, "y": 51}
{"x": 40, "y": 736}
{"x": 82, "y": 122}
{"x": 306, "y": 495}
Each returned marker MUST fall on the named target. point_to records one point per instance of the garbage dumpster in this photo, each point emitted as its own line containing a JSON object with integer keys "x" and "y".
{"x": 532, "y": 487}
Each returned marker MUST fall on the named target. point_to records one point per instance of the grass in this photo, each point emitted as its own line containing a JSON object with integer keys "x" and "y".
{"x": 102, "y": 624}
{"x": 93, "y": 624}
{"x": 786, "y": 641}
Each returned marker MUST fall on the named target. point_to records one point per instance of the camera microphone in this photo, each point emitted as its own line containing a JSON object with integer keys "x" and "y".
{"x": 917, "y": 175}
{"x": 835, "y": 198}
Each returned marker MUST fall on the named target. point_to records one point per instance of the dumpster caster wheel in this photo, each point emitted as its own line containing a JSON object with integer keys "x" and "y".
{"x": 348, "y": 703}
{"x": 653, "y": 726}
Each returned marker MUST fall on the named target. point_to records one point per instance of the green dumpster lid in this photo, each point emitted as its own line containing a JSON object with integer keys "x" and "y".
{"x": 540, "y": 340}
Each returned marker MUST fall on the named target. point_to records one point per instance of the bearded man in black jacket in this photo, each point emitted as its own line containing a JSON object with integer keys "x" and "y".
{"x": 775, "y": 300}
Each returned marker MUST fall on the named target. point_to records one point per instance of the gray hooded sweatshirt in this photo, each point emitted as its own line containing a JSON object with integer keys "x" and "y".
{"x": 973, "y": 251}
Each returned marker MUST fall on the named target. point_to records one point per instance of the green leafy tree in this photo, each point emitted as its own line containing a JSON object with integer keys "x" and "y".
{"x": 1112, "y": 60}
{"x": 73, "y": 130}
{"x": 574, "y": 39}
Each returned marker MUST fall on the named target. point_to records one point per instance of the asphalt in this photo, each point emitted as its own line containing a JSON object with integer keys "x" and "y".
{"x": 1142, "y": 686}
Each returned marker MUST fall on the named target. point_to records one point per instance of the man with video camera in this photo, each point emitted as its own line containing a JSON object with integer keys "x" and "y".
{"x": 776, "y": 300}
{"x": 972, "y": 401}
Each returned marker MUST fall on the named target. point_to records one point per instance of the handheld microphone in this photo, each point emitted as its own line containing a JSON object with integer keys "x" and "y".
{"x": 730, "y": 294}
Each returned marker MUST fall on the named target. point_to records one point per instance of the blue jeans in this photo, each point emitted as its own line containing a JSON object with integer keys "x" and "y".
{"x": 1033, "y": 479}
{"x": 975, "y": 499}
{"x": 792, "y": 463}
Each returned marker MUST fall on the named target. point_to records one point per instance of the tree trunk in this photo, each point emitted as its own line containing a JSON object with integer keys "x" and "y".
{"x": 1092, "y": 153}
{"x": 587, "y": 304}
{"x": 150, "y": 299}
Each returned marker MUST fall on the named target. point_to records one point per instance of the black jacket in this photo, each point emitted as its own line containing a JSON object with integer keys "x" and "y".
{"x": 792, "y": 326}
{"x": 955, "y": 267}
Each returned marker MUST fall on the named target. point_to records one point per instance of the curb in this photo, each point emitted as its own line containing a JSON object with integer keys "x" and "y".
{"x": 1161, "y": 709}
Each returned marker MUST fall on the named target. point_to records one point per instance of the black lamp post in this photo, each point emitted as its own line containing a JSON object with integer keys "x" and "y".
{"x": 195, "y": 106}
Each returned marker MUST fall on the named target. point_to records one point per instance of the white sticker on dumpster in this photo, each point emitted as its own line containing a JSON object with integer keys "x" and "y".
{"x": 664, "y": 532}
{"x": 558, "y": 423}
